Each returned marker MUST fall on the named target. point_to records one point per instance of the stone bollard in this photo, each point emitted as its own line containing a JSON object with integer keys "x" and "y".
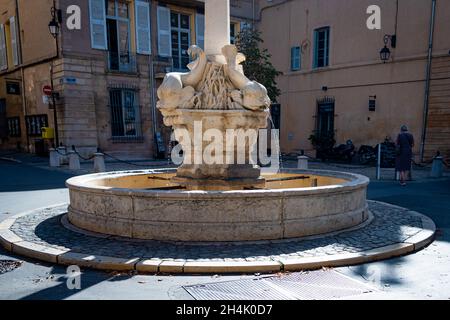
{"x": 99, "y": 162}
{"x": 74, "y": 161}
{"x": 63, "y": 158}
{"x": 302, "y": 162}
{"x": 54, "y": 158}
{"x": 437, "y": 169}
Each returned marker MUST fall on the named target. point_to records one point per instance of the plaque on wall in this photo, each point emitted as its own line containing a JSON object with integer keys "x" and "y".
{"x": 13, "y": 87}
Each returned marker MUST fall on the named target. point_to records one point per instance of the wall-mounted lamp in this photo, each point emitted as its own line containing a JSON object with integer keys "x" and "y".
{"x": 54, "y": 25}
{"x": 385, "y": 53}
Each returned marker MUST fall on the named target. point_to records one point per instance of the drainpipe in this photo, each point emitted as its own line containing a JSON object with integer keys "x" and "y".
{"x": 153, "y": 97}
{"x": 427, "y": 82}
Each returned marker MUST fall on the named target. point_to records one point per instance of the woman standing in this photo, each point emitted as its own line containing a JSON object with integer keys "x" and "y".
{"x": 405, "y": 144}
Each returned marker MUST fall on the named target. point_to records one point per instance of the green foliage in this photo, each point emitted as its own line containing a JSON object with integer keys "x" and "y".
{"x": 258, "y": 66}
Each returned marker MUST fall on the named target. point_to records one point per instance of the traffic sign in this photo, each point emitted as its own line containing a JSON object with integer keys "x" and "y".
{"x": 47, "y": 90}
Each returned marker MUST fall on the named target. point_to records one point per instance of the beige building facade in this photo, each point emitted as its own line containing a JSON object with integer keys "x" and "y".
{"x": 335, "y": 81}
{"x": 104, "y": 74}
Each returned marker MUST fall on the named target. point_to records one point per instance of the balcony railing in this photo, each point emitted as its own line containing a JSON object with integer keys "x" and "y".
{"x": 122, "y": 62}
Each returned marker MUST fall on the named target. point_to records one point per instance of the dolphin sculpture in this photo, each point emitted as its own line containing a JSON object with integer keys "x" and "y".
{"x": 254, "y": 94}
{"x": 178, "y": 88}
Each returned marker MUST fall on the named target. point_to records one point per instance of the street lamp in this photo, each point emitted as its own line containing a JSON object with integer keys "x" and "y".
{"x": 385, "y": 53}
{"x": 54, "y": 28}
{"x": 54, "y": 24}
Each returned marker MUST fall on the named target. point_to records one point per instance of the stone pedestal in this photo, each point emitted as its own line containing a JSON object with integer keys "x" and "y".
{"x": 99, "y": 162}
{"x": 437, "y": 169}
{"x": 74, "y": 161}
{"x": 54, "y": 158}
{"x": 302, "y": 163}
{"x": 217, "y": 147}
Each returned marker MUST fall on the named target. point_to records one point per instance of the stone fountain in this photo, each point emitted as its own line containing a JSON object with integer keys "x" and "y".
{"x": 218, "y": 193}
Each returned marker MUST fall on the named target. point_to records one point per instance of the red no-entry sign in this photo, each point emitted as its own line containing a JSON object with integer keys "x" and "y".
{"x": 47, "y": 90}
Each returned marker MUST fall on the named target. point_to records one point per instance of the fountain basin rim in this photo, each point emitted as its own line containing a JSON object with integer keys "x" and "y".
{"x": 84, "y": 183}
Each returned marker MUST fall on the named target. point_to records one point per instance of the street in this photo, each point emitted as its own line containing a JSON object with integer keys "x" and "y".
{"x": 423, "y": 275}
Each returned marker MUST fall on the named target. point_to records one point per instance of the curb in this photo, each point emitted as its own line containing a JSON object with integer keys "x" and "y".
{"x": 13, "y": 243}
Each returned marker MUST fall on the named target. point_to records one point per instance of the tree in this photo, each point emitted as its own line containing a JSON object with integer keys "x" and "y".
{"x": 258, "y": 65}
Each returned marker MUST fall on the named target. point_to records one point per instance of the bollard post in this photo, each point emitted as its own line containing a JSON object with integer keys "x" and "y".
{"x": 54, "y": 158}
{"x": 74, "y": 161}
{"x": 99, "y": 162}
{"x": 63, "y": 158}
{"x": 437, "y": 169}
{"x": 302, "y": 162}
{"x": 379, "y": 163}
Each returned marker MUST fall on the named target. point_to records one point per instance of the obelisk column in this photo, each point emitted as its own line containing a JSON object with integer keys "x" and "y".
{"x": 217, "y": 26}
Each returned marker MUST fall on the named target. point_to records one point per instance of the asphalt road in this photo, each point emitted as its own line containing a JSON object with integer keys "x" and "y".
{"x": 424, "y": 275}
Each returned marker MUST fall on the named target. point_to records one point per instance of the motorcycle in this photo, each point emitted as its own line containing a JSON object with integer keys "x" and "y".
{"x": 343, "y": 152}
{"x": 369, "y": 155}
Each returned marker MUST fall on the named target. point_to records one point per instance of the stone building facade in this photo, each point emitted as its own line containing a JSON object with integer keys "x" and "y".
{"x": 335, "y": 81}
{"x": 104, "y": 74}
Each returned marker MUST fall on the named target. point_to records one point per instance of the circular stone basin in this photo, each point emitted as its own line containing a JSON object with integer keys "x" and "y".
{"x": 146, "y": 205}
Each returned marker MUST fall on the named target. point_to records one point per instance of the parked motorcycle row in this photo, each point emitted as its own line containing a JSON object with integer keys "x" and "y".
{"x": 365, "y": 155}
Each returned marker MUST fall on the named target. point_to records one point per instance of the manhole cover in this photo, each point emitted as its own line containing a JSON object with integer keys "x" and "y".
{"x": 9, "y": 265}
{"x": 316, "y": 285}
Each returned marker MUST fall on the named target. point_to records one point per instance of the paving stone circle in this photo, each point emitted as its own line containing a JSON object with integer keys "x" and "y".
{"x": 390, "y": 225}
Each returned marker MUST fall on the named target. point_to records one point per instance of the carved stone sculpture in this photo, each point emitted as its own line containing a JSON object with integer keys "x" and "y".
{"x": 212, "y": 85}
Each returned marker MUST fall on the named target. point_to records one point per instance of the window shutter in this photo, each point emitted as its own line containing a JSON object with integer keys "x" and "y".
{"x": 327, "y": 46}
{"x": 316, "y": 49}
{"x": 143, "y": 38}
{"x": 3, "y": 56}
{"x": 295, "y": 59}
{"x": 200, "y": 30}
{"x": 164, "y": 32}
{"x": 14, "y": 44}
{"x": 98, "y": 24}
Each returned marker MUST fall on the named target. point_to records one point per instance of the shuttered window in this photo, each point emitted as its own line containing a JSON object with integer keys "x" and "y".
{"x": 164, "y": 32}
{"x": 14, "y": 42}
{"x": 98, "y": 24}
{"x": 200, "y": 30}
{"x": 143, "y": 38}
{"x": 321, "y": 47}
{"x": 3, "y": 55}
{"x": 295, "y": 59}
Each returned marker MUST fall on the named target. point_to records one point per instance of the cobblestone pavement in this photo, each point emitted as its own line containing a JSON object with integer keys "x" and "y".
{"x": 390, "y": 225}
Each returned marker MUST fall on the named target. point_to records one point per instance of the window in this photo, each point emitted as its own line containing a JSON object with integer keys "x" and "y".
{"x": 181, "y": 39}
{"x": 3, "y": 49}
{"x": 35, "y": 123}
{"x": 295, "y": 59}
{"x": 118, "y": 35}
{"x": 125, "y": 118}
{"x": 233, "y": 32}
{"x": 200, "y": 30}
{"x": 321, "y": 47}
{"x": 14, "y": 127}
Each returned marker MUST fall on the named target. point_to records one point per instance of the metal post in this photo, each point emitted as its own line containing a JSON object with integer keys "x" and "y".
{"x": 379, "y": 163}
{"x": 55, "y": 116}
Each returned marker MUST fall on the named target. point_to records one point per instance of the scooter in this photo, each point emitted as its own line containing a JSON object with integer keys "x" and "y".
{"x": 343, "y": 152}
